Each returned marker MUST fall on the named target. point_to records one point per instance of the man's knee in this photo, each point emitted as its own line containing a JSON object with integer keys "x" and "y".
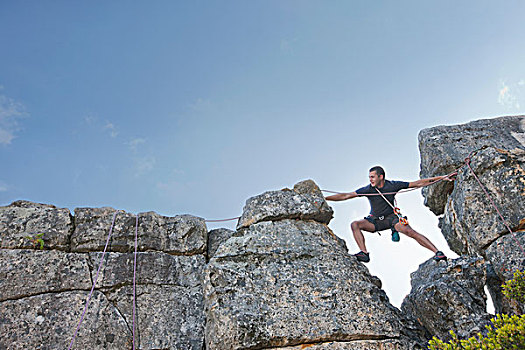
{"x": 354, "y": 224}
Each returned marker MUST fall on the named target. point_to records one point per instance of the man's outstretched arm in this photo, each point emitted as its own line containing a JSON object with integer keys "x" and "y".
{"x": 431, "y": 180}
{"x": 341, "y": 196}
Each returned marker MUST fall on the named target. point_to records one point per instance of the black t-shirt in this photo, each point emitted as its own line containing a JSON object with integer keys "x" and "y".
{"x": 379, "y": 206}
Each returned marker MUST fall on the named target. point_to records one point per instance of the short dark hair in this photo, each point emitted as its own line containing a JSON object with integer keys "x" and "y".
{"x": 379, "y": 170}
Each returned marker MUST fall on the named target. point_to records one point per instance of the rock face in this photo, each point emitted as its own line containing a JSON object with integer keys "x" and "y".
{"x": 444, "y": 148}
{"x": 449, "y": 296}
{"x": 305, "y": 202}
{"x": 284, "y": 281}
{"x": 43, "y": 292}
{"x": 281, "y": 280}
{"x": 469, "y": 223}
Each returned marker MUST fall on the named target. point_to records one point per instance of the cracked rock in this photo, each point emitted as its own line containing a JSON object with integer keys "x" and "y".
{"x": 449, "y": 296}
{"x": 22, "y": 220}
{"x": 304, "y": 202}
{"x": 291, "y": 282}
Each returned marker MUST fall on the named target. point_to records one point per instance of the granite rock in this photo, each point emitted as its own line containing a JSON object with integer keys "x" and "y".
{"x": 216, "y": 238}
{"x": 470, "y": 223}
{"x": 48, "y": 321}
{"x": 182, "y": 234}
{"x": 449, "y": 296}
{"x": 444, "y": 149}
{"x": 27, "y": 272}
{"x": 290, "y": 282}
{"x": 304, "y": 202}
{"x": 22, "y": 220}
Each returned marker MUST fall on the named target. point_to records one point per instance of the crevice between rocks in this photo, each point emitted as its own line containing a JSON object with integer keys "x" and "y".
{"x": 351, "y": 339}
{"x": 43, "y": 293}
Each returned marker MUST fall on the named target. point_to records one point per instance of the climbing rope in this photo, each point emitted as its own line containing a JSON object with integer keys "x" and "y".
{"x": 397, "y": 211}
{"x": 135, "y": 274}
{"x": 221, "y": 220}
{"x": 94, "y": 282}
{"x": 467, "y": 162}
{"x": 403, "y": 190}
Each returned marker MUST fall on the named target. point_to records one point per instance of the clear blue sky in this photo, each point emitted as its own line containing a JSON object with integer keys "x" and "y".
{"x": 192, "y": 107}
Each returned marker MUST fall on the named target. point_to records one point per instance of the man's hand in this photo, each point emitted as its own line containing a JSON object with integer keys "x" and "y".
{"x": 451, "y": 176}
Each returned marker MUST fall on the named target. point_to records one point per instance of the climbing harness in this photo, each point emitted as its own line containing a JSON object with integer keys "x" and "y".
{"x": 98, "y": 272}
{"x": 402, "y": 219}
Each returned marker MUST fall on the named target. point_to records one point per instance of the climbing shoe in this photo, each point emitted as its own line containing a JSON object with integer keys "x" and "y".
{"x": 439, "y": 256}
{"x": 362, "y": 256}
{"x": 395, "y": 236}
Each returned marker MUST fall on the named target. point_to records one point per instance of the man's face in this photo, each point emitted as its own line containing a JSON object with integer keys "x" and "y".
{"x": 375, "y": 179}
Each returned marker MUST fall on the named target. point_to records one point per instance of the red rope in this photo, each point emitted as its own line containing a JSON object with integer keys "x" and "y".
{"x": 467, "y": 161}
{"x": 221, "y": 220}
{"x": 403, "y": 190}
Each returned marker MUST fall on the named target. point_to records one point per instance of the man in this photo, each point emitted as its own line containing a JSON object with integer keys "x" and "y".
{"x": 381, "y": 193}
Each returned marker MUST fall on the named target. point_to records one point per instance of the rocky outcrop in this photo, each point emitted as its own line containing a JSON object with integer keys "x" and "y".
{"x": 305, "y": 202}
{"x": 285, "y": 281}
{"x": 449, "y": 296}
{"x": 469, "y": 223}
{"x": 444, "y": 149}
{"x": 43, "y": 292}
{"x": 282, "y": 279}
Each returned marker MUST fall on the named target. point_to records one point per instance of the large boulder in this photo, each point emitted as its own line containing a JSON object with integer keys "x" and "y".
{"x": 25, "y": 272}
{"x": 444, "y": 149}
{"x": 48, "y": 321}
{"x": 449, "y": 296}
{"x": 181, "y": 234}
{"x": 305, "y": 202}
{"x": 290, "y": 283}
{"x": 470, "y": 223}
{"x": 22, "y": 223}
{"x": 216, "y": 238}
{"x": 43, "y": 292}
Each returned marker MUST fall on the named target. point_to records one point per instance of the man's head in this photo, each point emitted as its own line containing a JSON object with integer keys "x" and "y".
{"x": 376, "y": 176}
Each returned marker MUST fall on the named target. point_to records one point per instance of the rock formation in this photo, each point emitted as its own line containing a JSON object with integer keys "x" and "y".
{"x": 282, "y": 279}
{"x": 469, "y": 222}
{"x": 43, "y": 292}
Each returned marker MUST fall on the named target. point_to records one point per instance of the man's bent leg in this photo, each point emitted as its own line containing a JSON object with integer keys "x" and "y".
{"x": 410, "y": 232}
{"x": 357, "y": 226}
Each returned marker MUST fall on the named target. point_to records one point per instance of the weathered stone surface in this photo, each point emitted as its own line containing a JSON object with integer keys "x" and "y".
{"x": 28, "y": 272}
{"x": 470, "y": 222}
{"x": 290, "y": 282}
{"x": 359, "y": 345}
{"x": 216, "y": 238}
{"x": 444, "y": 148}
{"x": 449, "y": 296}
{"x": 152, "y": 268}
{"x": 182, "y": 234}
{"x": 23, "y": 219}
{"x": 48, "y": 321}
{"x": 505, "y": 255}
{"x": 305, "y": 202}
{"x": 170, "y": 313}
{"x": 168, "y": 317}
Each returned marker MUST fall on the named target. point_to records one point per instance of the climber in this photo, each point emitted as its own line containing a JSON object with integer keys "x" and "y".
{"x": 382, "y": 215}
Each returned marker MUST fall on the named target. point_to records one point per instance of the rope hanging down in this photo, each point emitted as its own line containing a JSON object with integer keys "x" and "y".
{"x": 94, "y": 282}
{"x": 467, "y": 162}
{"x": 98, "y": 272}
{"x": 135, "y": 274}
